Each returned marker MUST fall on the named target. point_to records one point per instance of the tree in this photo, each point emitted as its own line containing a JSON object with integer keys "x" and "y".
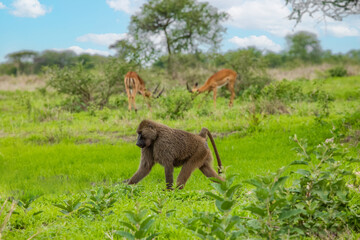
{"x": 20, "y": 59}
{"x": 336, "y": 9}
{"x": 135, "y": 52}
{"x": 304, "y": 46}
{"x": 185, "y": 25}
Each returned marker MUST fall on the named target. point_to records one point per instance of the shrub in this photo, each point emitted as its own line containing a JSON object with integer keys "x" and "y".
{"x": 283, "y": 90}
{"x": 317, "y": 203}
{"x": 338, "y": 71}
{"x": 84, "y": 88}
{"x": 175, "y": 104}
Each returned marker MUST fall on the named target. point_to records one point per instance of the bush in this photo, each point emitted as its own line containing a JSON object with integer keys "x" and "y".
{"x": 283, "y": 90}
{"x": 338, "y": 71}
{"x": 175, "y": 104}
{"x": 84, "y": 88}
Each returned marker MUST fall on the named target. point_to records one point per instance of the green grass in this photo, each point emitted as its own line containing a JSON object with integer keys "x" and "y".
{"x": 57, "y": 155}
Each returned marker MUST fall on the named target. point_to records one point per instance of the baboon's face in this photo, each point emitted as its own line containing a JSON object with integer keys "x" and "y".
{"x": 146, "y": 134}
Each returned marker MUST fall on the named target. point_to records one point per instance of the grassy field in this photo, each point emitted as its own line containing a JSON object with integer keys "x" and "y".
{"x": 55, "y": 155}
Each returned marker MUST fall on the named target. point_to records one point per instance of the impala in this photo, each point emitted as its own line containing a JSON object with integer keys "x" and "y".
{"x": 223, "y": 77}
{"x": 133, "y": 85}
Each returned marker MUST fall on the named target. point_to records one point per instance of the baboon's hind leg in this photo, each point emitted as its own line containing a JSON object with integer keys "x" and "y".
{"x": 208, "y": 171}
{"x": 185, "y": 173}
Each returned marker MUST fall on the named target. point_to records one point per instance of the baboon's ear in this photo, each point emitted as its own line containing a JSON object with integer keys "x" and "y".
{"x": 196, "y": 84}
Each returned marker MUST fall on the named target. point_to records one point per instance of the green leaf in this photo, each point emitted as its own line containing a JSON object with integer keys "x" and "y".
{"x": 256, "y": 210}
{"x": 131, "y": 216}
{"x": 128, "y": 225}
{"x": 303, "y": 172}
{"x": 152, "y": 236}
{"x": 226, "y": 205}
{"x": 298, "y": 162}
{"x": 230, "y": 192}
{"x": 254, "y": 182}
{"x": 124, "y": 234}
{"x": 36, "y": 213}
{"x": 280, "y": 182}
{"x": 139, "y": 234}
{"x": 214, "y": 196}
{"x": 146, "y": 224}
{"x": 290, "y": 213}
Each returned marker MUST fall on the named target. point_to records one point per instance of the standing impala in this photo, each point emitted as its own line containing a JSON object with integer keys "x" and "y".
{"x": 133, "y": 85}
{"x": 223, "y": 77}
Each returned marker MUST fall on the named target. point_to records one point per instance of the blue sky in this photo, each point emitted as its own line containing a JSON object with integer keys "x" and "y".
{"x": 91, "y": 26}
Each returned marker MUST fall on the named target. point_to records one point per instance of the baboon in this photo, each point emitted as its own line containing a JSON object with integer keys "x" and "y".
{"x": 223, "y": 77}
{"x": 174, "y": 148}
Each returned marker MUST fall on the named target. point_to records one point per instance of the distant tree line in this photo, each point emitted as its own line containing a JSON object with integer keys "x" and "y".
{"x": 302, "y": 48}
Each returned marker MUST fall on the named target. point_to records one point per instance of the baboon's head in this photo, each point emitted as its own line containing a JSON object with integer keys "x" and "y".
{"x": 194, "y": 89}
{"x": 146, "y": 134}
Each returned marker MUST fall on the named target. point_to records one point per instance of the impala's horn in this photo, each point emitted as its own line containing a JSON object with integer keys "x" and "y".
{"x": 156, "y": 88}
{"x": 160, "y": 93}
{"x": 188, "y": 87}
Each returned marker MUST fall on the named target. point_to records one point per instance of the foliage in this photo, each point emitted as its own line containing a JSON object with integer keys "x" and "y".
{"x": 283, "y": 90}
{"x": 304, "y": 46}
{"x": 186, "y": 24}
{"x": 336, "y": 9}
{"x": 100, "y": 200}
{"x": 138, "y": 225}
{"x": 249, "y": 65}
{"x": 338, "y": 71}
{"x": 317, "y": 203}
{"x": 221, "y": 224}
{"x": 84, "y": 89}
{"x": 174, "y": 104}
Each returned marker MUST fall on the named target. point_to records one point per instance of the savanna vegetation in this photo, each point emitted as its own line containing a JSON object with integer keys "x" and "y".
{"x": 290, "y": 147}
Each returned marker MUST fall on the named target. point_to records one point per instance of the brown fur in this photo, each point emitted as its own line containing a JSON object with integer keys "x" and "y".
{"x": 221, "y": 78}
{"x": 133, "y": 85}
{"x": 173, "y": 148}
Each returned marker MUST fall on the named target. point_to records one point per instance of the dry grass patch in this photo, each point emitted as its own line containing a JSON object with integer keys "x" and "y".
{"x": 23, "y": 83}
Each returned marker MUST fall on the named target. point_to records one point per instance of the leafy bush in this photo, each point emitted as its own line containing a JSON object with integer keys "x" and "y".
{"x": 317, "y": 203}
{"x": 283, "y": 90}
{"x": 175, "y": 104}
{"x": 338, "y": 71}
{"x": 84, "y": 88}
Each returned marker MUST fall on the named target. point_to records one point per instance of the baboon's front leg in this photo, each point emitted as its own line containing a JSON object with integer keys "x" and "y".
{"x": 169, "y": 176}
{"x": 146, "y": 164}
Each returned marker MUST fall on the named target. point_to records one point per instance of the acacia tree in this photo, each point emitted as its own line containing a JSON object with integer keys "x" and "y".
{"x": 184, "y": 25}
{"x": 305, "y": 46}
{"x": 20, "y": 58}
{"x": 336, "y": 9}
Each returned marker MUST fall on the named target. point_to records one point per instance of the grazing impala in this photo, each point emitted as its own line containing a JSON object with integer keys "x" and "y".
{"x": 133, "y": 85}
{"x": 223, "y": 77}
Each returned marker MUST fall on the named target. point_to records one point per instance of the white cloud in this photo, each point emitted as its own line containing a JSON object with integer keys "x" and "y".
{"x": 29, "y": 8}
{"x": 2, "y": 6}
{"x": 125, "y": 5}
{"x": 341, "y": 30}
{"x": 266, "y": 15}
{"x": 101, "y": 39}
{"x": 261, "y": 42}
{"x": 119, "y": 5}
{"x": 78, "y": 50}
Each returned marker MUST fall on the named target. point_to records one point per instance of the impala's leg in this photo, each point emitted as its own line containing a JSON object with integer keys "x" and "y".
{"x": 129, "y": 97}
{"x": 133, "y": 100}
{"x": 215, "y": 91}
{"x": 232, "y": 91}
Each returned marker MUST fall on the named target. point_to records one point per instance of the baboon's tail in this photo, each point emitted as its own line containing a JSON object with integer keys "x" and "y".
{"x": 203, "y": 133}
